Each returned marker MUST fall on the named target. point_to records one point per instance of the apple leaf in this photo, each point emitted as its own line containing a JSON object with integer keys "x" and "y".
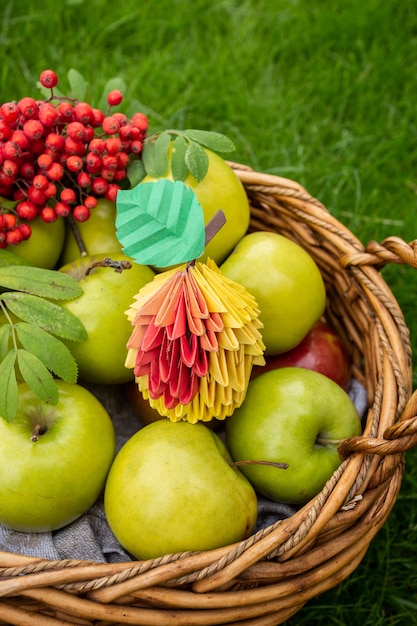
{"x": 178, "y": 165}
{"x": 197, "y": 160}
{"x": 135, "y": 172}
{"x": 155, "y": 155}
{"x": 160, "y": 223}
{"x": 40, "y": 282}
{"x": 48, "y": 315}
{"x": 211, "y": 140}
{"x": 37, "y": 376}
{"x": 51, "y": 351}
{"x": 8, "y": 387}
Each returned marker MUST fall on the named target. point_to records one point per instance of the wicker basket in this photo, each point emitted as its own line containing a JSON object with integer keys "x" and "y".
{"x": 264, "y": 580}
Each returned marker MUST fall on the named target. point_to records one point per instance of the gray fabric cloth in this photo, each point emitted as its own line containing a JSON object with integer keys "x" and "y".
{"x": 90, "y": 537}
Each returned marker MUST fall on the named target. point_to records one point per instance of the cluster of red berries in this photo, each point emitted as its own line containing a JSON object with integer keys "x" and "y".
{"x": 58, "y": 156}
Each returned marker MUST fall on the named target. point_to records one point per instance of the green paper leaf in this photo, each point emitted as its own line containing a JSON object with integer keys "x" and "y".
{"x": 211, "y": 140}
{"x": 48, "y": 315}
{"x": 160, "y": 223}
{"x": 51, "y": 351}
{"x": 155, "y": 155}
{"x": 4, "y": 340}
{"x": 8, "y": 258}
{"x": 41, "y": 282}
{"x": 197, "y": 160}
{"x": 178, "y": 165}
{"x": 37, "y": 376}
{"x": 135, "y": 172}
{"x": 8, "y": 387}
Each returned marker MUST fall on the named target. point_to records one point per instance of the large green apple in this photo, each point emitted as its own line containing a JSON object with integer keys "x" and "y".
{"x": 98, "y": 233}
{"x": 286, "y": 283}
{"x": 107, "y": 294}
{"x": 53, "y": 459}
{"x": 44, "y": 246}
{"x": 296, "y": 416}
{"x": 171, "y": 488}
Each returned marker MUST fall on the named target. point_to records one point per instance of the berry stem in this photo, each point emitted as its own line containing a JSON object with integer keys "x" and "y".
{"x": 77, "y": 235}
{"x": 255, "y": 462}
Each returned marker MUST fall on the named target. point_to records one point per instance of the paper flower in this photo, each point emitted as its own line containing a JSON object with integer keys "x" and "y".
{"x": 196, "y": 337}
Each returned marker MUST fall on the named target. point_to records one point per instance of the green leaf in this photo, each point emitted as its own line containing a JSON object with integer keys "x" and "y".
{"x": 160, "y": 223}
{"x": 78, "y": 84}
{"x": 7, "y": 258}
{"x": 135, "y": 172}
{"x": 37, "y": 376}
{"x": 197, "y": 160}
{"x": 8, "y": 387}
{"x": 6, "y": 203}
{"x": 4, "y": 340}
{"x": 213, "y": 141}
{"x": 178, "y": 165}
{"x": 48, "y": 315}
{"x": 155, "y": 155}
{"x": 50, "y": 350}
{"x": 41, "y": 282}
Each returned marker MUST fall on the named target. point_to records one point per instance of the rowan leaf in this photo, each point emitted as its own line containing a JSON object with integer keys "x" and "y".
{"x": 51, "y": 351}
{"x": 155, "y": 155}
{"x": 197, "y": 160}
{"x": 135, "y": 172}
{"x": 8, "y": 387}
{"x": 211, "y": 140}
{"x": 78, "y": 85}
{"x": 178, "y": 165}
{"x": 50, "y": 316}
{"x": 40, "y": 282}
{"x": 4, "y": 339}
{"x": 160, "y": 223}
{"x": 37, "y": 376}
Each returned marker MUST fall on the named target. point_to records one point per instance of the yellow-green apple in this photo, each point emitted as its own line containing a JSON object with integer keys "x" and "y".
{"x": 54, "y": 459}
{"x": 106, "y": 296}
{"x": 321, "y": 350}
{"x": 171, "y": 488}
{"x": 44, "y": 246}
{"x": 294, "y": 416}
{"x": 98, "y": 233}
{"x": 286, "y": 283}
{"x": 219, "y": 189}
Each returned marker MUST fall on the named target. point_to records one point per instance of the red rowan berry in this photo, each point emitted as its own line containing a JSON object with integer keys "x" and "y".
{"x": 121, "y": 118}
{"x": 120, "y": 174}
{"x": 66, "y": 111}
{"x": 45, "y": 161}
{"x": 88, "y": 134}
{"x": 84, "y": 179}
{"x": 36, "y": 196}
{"x": 48, "y": 114}
{"x": 75, "y": 130}
{"x": 40, "y": 181}
{"x": 124, "y": 132}
{"x": 11, "y": 150}
{"x": 26, "y": 210}
{"x": 99, "y": 186}
{"x": 5, "y": 180}
{"x": 81, "y": 213}
{"x": 114, "y": 97}
{"x": 136, "y": 146}
{"x": 28, "y": 107}
{"x": 9, "y": 221}
{"x": 48, "y": 214}
{"x": 98, "y": 117}
{"x": 37, "y": 146}
{"x": 9, "y": 112}
{"x": 48, "y": 79}
{"x": 33, "y": 129}
{"x": 122, "y": 159}
{"x": 74, "y": 146}
{"x": 50, "y": 190}
{"x": 110, "y": 161}
{"x": 107, "y": 174}
{"x": 93, "y": 163}
{"x": 97, "y": 146}
{"x": 55, "y": 141}
{"x": 113, "y": 145}
{"x": 83, "y": 112}
{"x": 74, "y": 163}
{"x": 110, "y": 125}
{"x": 111, "y": 192}
{"x": 141, "y": 121}
{"x": 67, "y": 195}
{"x": 27, "y": 170}
{"x": 55, "y": 171}
{"x": 62, "y": 209}
{"x": 5, "y": 130}
{"x": 10, "y": 168}
{"x": 21, "y": 139}
{"x": 13, "y": 237}
{"x": 90, "y": 202}
{"x": 25, "y": 230}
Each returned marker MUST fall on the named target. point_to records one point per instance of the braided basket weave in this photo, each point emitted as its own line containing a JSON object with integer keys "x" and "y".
{"x": 267, "y": 578}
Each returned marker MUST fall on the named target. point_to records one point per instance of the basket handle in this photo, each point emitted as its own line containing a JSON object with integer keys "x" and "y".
{"x": 397, "y": 439}
{"x": 390, "y": 250}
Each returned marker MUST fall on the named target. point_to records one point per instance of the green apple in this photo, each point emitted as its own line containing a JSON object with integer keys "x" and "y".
{"x": 171, "y": 488}
{"x": 107, "y": 294}
{"x": 98, "y": 233}
{"x": 53, "y": 459}
{"x": 295, "y": 416}
{"x": 286, "y": 283}
{"x": 44, "y": 246}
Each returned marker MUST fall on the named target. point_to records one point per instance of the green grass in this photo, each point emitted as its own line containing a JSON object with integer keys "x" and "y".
{"x": 322, "y": 92}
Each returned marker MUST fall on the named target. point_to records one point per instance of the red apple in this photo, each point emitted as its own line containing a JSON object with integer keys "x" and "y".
{"x": 321, "y": 350}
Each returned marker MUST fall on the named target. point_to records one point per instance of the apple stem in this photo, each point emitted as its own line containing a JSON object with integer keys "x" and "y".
{"x": 77, "y": 235}
{"x": 37, "y": 431}
{"x": 322, "y": 441}
{"x": 117, "y": 266}
{"x": 254, "y": 462}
